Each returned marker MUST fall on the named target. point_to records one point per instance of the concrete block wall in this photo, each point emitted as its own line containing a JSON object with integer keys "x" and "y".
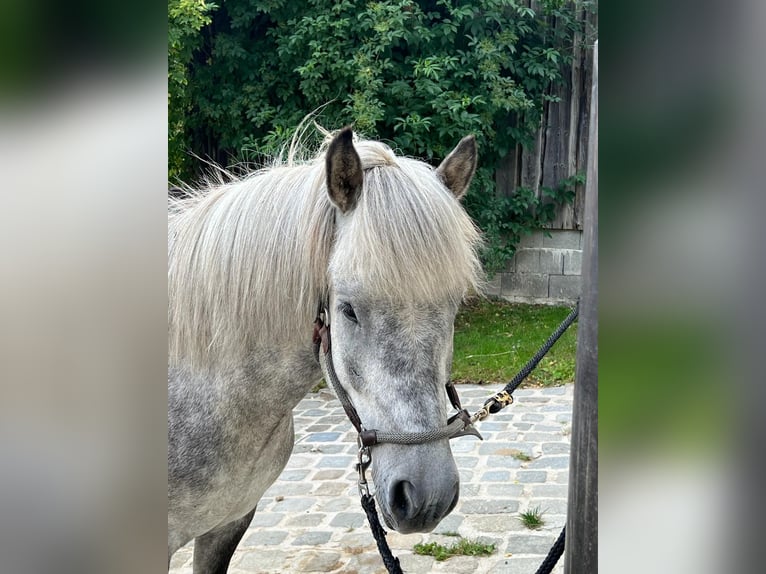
{"x": 544, "y": 270}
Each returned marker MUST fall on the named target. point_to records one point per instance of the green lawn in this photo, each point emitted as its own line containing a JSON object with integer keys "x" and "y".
{"x": 494, "y": 339}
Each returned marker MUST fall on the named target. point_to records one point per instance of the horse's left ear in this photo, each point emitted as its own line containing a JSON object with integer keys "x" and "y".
{"x": 457, "y": 169}
{"x": 344, "y": 171}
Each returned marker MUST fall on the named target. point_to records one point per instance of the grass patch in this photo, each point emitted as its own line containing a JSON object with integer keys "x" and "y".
{"x": 463, "y": 547}
{"x": 494, "y": 339}
{"x": 523, "y": 457}
{"x": 319, "y": 386}
{"x": 532, "y": 518}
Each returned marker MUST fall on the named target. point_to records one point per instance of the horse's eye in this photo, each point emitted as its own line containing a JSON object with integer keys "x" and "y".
{"x": 348, "y": 312}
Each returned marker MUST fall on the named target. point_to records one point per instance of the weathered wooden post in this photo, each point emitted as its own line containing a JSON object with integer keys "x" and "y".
{"x": 581, "y": 554}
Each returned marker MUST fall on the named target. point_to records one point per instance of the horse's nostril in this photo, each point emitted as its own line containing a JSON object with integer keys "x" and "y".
{"x": 404, "y": 500}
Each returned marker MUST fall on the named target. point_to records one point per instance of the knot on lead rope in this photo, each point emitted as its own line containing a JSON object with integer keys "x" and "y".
{"x": 493, "y": 405}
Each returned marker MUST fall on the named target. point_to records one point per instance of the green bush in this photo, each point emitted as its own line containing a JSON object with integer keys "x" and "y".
{"x": 185, "y": 20}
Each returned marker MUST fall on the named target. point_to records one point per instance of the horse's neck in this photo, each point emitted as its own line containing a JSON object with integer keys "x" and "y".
{"x": 283, "y": 376}
{"x": 267, "y": 386}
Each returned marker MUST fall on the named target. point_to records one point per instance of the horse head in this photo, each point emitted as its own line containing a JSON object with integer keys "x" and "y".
{"x": 403, "y": 256}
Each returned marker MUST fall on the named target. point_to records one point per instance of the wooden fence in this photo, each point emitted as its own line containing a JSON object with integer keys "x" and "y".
{"x": 561, "y": 145}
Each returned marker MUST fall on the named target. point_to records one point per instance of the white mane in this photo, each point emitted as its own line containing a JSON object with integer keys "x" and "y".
{"x": 248, "y": 260}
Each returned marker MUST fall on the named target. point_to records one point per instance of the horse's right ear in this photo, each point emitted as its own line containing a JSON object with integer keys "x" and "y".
{"x": 344, "y": 171}
{"x": 457, "y": 169}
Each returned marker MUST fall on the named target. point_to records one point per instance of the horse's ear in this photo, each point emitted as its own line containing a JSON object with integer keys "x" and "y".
{"x": 344, "y": 171}
{"x": 456, "y": 171}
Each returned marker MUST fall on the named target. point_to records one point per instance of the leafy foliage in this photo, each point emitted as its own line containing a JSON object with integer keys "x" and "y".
{"x": 185, "y": 20}
{"x": 418, "y": 74}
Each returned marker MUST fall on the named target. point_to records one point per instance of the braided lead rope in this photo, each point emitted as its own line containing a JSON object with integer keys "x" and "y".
{"x": 553, "y": 555}
{"x": 543, "y": 350}
{"x": 389, "y": 560}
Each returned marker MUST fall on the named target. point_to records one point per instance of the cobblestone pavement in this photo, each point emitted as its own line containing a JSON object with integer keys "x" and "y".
{"x": 310, "y": 520}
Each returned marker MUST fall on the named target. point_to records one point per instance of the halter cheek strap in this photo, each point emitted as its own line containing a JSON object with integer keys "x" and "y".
{"x": 459, "y": 424}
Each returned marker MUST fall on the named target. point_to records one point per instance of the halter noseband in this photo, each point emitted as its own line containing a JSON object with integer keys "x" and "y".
{"x": 459, "y": 424}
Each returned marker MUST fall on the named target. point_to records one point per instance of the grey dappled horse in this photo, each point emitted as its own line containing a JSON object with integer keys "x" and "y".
{"x": 385, "y": 242}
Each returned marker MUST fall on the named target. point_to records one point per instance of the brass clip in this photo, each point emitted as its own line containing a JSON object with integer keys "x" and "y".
{"x": 480, "y": 415}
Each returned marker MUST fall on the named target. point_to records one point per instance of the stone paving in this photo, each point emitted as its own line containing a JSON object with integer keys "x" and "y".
{"x": 310, "y": 520}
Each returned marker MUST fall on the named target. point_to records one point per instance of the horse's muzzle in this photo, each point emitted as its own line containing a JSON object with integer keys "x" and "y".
{"x": 409, "y": 507}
